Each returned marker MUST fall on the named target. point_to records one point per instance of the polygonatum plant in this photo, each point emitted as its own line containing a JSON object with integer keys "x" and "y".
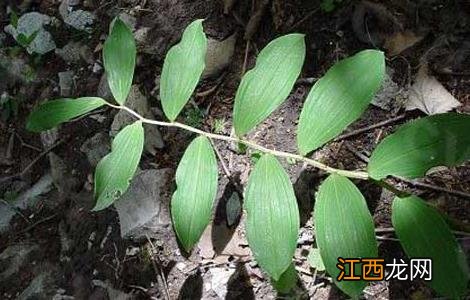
{"x": 343, "y": 222}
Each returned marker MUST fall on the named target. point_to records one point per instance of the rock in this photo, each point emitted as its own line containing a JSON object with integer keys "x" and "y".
{"x": 97, "y": 68}
{"x": 13, "y": 70}
{"x": 138, "y": 102}
{"x": 25, "y": 200}
{"x": 49, "y": 137}
{"x": 141, "y": 35}
{"x": 130, "y": 21}
{"x": 61, "y": 177}
{"x": 78, "y": 19}
{"x": 390, "y": 97}
{"x": 33, "y": 23}
{"x": 66, "y": 83}
{"x": 7, "y": 212}
{"x": 96, "y": 148}
{"x": 73, "y": 52}
{"x": 104, "y": 91}
{"x": 31, "y": 196}
{"x": 305, "y": 236}
{"x": 43, "y": 286}
{"x": 15, "y": 257}
{"x": 144, "y": 205}
{"x": 220, "y": 278}
{"x": 219, "y": 54}
{"x": 112, "y": 292}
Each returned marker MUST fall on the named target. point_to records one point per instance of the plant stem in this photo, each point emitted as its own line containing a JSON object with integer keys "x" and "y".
{"x": 351, "y": 174}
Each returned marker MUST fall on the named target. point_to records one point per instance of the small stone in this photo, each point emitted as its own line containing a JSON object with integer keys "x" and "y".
{"x": 141, "y": 35}
{"x": 15, "y": 257}
{"x": 132, "y": 251}
{"x": 181, "y": 266}
{"x": 43, "y": 286}
{"x": 129, "y": 20}
{"x": 49, "y": 137}
{"x": 390, "y": 96}
{"x": 78, "y": 19}
{"x": 143, "y": 207}
{"x": 97, "y": 68}
{"x": 33, "y": 23}
{"x": 66, "y": 83}
{"x": 73, "y": 52}
{"x": 96, "y": 148}
{"x": 220, "y": 278}
{"x": 219, "y": 55}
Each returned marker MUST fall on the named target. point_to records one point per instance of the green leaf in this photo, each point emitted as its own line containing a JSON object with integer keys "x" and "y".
{"x": 419, "y": 145}
{"x": 119, "y": 60}
{"x": 196, "y": 181}
{"x": 315, "y": 261}
{"x": 287, "y": 281}
{"x": 344, "y": 228}
{"x": 183, "y": 66}
{"x": 272, "y": 222}
{"x": 114, "y": 172}
{"x": 14, "y": 19}
{"x": 52, "y": 113}
{"x": 423, "y": 233}
{"x": 266, "y": 86}
{"x": 339, "y": 98}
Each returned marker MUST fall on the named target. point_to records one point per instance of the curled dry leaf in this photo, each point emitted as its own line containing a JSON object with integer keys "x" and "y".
{"x": 429, "y": 95}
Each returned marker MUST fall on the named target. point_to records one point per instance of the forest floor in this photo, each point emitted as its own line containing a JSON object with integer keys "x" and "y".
{"x": 53, "y": 246}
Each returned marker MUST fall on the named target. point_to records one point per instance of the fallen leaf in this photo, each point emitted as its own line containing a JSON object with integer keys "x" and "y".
{"x": 400, "y": 41}
{"x": 228, "y": 243}
{"x": 429, "y": 95}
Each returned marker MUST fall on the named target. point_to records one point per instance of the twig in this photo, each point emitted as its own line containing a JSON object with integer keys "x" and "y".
{"x": 392, "y": 230}
{"x": 158, "y": 269}
{"x": 351, "y": 174}
{"x": 37, "y": 223}
{"x": 434, "y": 187}
{"x": 210, "y": 90}
{"x": 367, "y": 128}
{"x": 31, "y": 164}
{"x": 245, "y": 60}
{"x": 23, "y": 143}
{"x": 307, "y": 16}
{"x": 224, "y": 166}
{"x": 15, "y": 209}
{"x": 414, "y": 183}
